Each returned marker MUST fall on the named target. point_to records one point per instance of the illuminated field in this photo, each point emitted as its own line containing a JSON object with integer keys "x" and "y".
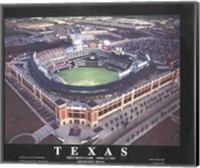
{"x": 88, "y": 76}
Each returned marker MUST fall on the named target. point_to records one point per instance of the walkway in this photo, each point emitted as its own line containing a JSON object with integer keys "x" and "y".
{"x": 42, "y": 133}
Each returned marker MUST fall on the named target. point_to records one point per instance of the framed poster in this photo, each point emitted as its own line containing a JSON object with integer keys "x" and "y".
{"x": 100, "y": 83}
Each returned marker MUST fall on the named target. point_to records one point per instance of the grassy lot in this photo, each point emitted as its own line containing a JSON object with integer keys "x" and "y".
{"x": 88, "y": 76}
{"x": 18, "y": 116}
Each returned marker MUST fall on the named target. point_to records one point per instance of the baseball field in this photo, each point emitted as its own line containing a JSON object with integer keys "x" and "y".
{"x": 88, "y": 76}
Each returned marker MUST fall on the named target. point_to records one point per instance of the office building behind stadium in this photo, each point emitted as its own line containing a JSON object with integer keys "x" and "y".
{"x": 88, "y": 105}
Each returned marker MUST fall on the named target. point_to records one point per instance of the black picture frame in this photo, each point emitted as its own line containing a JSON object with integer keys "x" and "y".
{"x": 187, "y": 152}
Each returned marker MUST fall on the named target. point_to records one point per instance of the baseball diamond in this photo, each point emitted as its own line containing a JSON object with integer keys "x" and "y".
{"x": 88, "y": 76}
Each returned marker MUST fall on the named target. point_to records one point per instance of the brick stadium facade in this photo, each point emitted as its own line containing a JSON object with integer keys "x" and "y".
{"x": 65, "y": 113}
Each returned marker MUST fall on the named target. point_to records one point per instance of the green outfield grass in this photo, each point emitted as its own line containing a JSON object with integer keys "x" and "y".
{"x": 88, "y": 76}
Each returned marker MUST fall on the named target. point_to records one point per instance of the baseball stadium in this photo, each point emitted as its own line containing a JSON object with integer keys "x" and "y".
{"x": 56, "y": 76}
{"x": 102, "y": 85}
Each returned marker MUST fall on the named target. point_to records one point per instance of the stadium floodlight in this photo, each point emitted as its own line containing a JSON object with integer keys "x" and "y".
{"x": 77, "y": 42}
{"x": 148, "y": 57}
{"x": 106, "y": 42}
{"x": 100, "y": 45}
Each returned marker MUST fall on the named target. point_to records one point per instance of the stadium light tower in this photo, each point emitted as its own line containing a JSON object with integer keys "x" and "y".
{"x": 106, "y": 42}
{"x": 77, "y": 42}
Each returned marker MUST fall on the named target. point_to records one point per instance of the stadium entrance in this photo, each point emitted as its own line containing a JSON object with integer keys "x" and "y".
{"x": 76, "y": 121}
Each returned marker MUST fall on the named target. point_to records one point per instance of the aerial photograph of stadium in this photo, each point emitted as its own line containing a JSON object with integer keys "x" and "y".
{"x": 99, "y": 80}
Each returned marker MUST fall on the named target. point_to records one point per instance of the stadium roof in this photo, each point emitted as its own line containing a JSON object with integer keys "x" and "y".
{"x": 60, "y": 102}
{"x": 92, "y": 103}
